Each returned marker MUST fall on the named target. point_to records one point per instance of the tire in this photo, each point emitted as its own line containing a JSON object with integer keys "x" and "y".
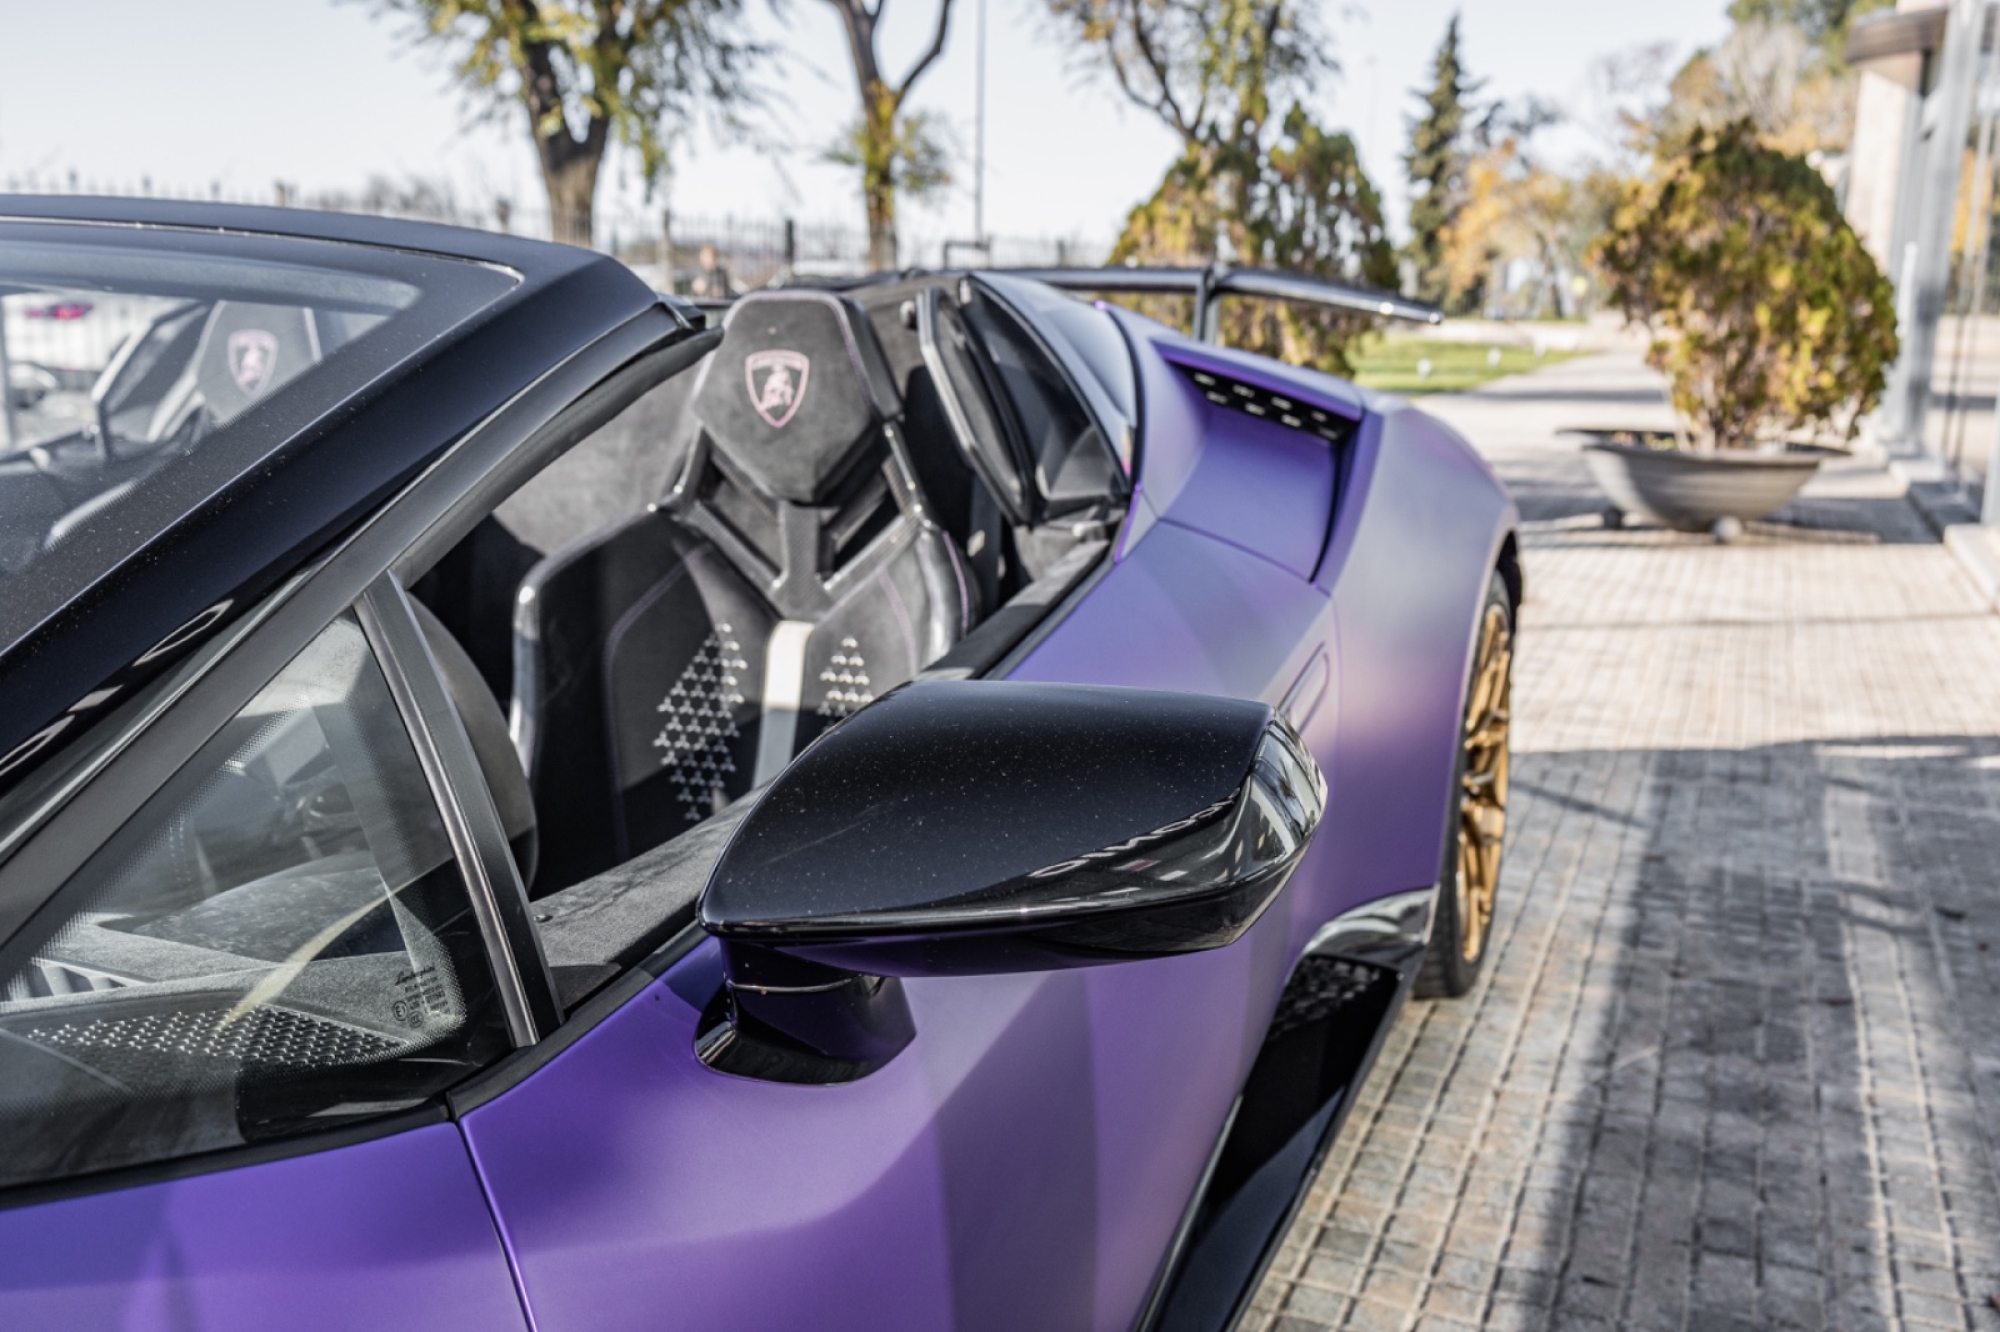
{"x": 1468, "y": 880}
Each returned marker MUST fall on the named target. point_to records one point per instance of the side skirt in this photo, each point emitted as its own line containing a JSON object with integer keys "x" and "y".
{"x": 1341, "y": 1000}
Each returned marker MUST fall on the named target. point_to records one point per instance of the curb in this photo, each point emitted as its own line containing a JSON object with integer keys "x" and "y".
{"x": 1944, "y": 509}
{"x": 1978, "y": 550}
{"x": 1938, "y": 502}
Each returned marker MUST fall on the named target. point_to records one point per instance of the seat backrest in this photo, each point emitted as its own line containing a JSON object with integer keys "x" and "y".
{"x": 797, "y": 464}
{"x": 666, "y": 666}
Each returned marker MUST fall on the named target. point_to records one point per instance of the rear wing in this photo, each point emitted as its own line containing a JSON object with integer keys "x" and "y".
{"x": 1207, "y": 285}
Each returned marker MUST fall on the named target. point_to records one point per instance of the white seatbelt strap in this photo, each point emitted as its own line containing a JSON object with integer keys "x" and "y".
{"x": 784, "y": 688}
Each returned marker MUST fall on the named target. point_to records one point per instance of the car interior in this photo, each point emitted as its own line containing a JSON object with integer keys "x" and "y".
{"x": 657, "y": 622}
{"x": 176, "y": 381}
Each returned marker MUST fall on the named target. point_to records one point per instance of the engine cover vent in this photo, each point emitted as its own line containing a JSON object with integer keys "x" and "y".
{"x": 1265, "y": 405}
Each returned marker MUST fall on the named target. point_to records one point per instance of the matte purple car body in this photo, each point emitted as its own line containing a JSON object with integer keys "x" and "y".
{"x": 1087, "y": 1100}
{"x": 1028, "y": 1161}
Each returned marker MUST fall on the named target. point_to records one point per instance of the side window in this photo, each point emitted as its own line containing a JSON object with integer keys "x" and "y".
{"x": 1074, "y": 464}
{"x": 277, "y": 942}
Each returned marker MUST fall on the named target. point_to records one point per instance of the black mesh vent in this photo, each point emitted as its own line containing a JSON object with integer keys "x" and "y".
{"x": 1265, "y": 405}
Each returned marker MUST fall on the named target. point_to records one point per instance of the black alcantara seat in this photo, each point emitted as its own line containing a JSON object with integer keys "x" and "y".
{"x": 794, "y": 573}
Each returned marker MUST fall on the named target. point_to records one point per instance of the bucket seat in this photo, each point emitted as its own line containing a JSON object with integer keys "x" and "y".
{"x": 665, "y": 666}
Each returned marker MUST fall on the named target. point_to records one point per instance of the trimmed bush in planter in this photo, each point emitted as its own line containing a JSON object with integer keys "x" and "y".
{"x": 1768, "y": 315}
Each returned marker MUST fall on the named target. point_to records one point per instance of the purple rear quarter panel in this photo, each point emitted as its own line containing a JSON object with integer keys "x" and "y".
{"x": 1254, "y": 484}
{"x": 385, "y": 1234}
{"x": 1421, "y": 523}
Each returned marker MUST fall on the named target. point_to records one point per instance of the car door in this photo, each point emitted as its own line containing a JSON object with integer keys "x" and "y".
{"x": 638, "y": 1187}
{"x": 1022, "y": 1163}
{"x": 224, "y": 1035}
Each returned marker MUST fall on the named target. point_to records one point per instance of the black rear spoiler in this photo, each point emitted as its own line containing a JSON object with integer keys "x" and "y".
{"x": 1208, "y": 284}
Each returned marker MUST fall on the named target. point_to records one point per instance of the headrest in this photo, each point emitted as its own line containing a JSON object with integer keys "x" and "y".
{"x": 796, "y": 390}
{"x": 249, "y": 350}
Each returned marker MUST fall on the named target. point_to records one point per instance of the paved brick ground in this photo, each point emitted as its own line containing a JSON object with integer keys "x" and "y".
{"x": 1735, "y": 1059}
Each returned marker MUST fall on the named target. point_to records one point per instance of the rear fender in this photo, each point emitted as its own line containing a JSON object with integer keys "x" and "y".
{"x": 1421, "y": 525}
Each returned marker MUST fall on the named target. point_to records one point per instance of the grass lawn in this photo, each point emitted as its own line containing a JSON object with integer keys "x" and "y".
{"x": 1392, "y": 364}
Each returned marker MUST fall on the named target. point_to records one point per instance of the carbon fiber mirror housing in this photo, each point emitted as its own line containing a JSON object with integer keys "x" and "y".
{"x": 975, "y": 827}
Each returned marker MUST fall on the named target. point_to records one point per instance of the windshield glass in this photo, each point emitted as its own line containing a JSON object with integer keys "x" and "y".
{"x": 133, "y": 359}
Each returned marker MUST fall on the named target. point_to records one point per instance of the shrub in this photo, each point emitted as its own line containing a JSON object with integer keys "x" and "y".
{"x": 1769, "y": 316}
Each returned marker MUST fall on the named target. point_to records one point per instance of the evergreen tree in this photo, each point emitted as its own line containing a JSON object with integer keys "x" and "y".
{"x": 1437, "y": 163}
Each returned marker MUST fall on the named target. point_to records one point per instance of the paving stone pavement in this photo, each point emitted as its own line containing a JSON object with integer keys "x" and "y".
{"x": 1735, "y": 1058}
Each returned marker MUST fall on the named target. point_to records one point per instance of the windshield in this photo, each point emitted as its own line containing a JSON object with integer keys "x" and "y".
{"x": 138, "y": 362}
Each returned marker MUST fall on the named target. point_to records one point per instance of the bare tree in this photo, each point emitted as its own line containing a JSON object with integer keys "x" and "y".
{"x": 892, "y": 150}
{"x": 1798, "y": 95}
{"x": 1212, "y": 71}
{"x": 586, "y": 71}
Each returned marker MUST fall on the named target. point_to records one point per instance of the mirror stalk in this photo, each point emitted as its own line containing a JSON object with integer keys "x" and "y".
{"x": 784, "y": 1019}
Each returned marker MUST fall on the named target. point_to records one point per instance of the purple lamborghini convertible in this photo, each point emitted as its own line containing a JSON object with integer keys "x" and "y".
{"x": 525, "y": 804}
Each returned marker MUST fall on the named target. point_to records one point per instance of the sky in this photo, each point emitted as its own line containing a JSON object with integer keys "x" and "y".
{"x": 239, "y": 94}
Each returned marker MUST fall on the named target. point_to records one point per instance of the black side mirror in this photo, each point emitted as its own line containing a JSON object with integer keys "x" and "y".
{"x": 973, "y": 827}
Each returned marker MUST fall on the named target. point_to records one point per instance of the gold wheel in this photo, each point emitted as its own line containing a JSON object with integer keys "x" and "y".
{"x": 1482, "y": 797}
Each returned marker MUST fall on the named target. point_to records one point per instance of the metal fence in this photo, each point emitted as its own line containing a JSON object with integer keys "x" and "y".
{"x": 691, "y": 254}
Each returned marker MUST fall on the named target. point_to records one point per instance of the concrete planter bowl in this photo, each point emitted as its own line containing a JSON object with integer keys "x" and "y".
{"x": 1645, "y": 477}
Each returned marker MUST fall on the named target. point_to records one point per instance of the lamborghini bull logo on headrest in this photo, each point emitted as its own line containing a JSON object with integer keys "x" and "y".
{"x": 253, "y": 354}
{"x": 777, "y": 382}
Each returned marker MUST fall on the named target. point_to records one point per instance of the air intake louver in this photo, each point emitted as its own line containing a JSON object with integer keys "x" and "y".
{"x": 1268, "y": 406}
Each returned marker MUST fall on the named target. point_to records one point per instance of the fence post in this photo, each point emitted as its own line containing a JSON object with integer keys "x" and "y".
{"x": 791, "y": 247}
{"x": 8, "y": 439}
{"x": 667, "y": 250}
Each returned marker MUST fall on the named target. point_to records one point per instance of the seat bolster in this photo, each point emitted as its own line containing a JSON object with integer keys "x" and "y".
{"x": 905, "y": 613}
{"x": 570, "y": 608}
{"x": 565, "y": 607}
{"x": 683, "y": 675}
{"x": 951, "y": 589}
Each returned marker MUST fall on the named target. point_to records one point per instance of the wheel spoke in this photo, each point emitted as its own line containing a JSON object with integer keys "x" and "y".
{"x": 1482, "y": 822}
